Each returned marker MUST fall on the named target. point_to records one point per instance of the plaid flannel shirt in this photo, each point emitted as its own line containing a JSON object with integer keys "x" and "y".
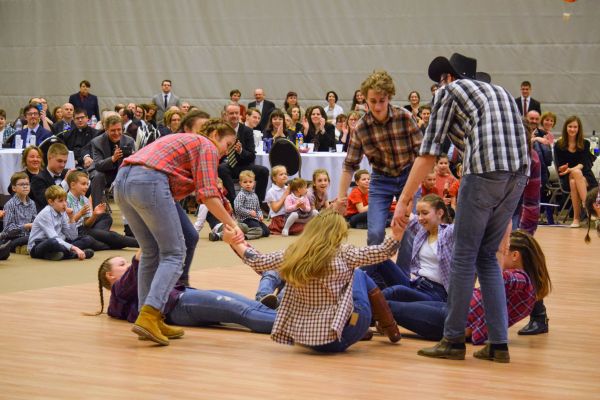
{"x": 17, "y": 214}
{"x": 244, "y": 203}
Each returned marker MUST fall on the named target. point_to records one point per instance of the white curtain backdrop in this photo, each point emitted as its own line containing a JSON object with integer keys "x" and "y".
{"x": 207, "y": 48}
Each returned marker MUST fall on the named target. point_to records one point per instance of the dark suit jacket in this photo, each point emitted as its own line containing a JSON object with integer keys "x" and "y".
{"x": 61, "y": 126}
{"x": 89, "y": 104}
{"x": 131, "y": 130}
{"x": 40, "y": 135}
{"x": 39, "y": 184}
{"x": 246, "y": 138}
{"x": 102, "y": 153}
{"x": 80, "y": 142}
{"x": 533, "y": 105}
{"x": 159, "y": 101}
{"x": 268, "y": 106}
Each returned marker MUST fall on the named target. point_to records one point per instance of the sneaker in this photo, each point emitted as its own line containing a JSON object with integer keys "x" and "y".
{"x": 445, "y": 349}
{"x": 501, "y": 356}
{"x": 285, "y": 232}
{"x": 89, "y": 253}
{"x": 575, "y": 225}
{"x": 213, "y": 237}
{"x": 22, "y": 250}
{"x": 270, "y": 301}
{"x": 59, "y": 255}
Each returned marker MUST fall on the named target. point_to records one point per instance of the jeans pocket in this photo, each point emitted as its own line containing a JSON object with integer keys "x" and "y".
{"x": 143, "y": 195}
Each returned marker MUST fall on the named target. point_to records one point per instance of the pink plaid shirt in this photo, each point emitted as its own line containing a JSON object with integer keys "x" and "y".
{"x": 316, "y": 313}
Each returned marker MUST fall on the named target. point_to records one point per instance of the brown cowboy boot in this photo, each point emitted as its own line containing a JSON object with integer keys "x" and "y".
{"x": 383, "y": 315}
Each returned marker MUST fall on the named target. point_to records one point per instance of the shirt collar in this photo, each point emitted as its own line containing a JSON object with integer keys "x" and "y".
{"x": 370, "y": 119}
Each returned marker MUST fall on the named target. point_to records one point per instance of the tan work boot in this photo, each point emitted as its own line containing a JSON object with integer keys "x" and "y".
{"x": 445, "y": 349}
{"x": 147, "y": 325}
{"x": 169, "y": 331}
{"x": 501, "y": 356}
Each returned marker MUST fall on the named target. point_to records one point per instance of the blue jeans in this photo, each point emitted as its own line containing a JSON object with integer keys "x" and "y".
{"x": 351, "y": 334}
{"x": 269, "y": 281}
{"x": 191, "y": 240}
{"x": 425, "y": 318}
{"x": 145, "y": 200}
{"x": 486, "y": 204}
{"x": 386, "y": 274}
{"x": 211, "y": 307}
{"x": 382, "y": 190}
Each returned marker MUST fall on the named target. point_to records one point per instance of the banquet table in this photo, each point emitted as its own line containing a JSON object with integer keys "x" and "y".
{"x": 332, "y": 162}
{"x": 10, "y": 162}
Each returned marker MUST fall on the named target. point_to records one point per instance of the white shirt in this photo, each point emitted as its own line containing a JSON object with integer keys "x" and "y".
{"x": 275, "y": 194}
{"x": 430, "y": 263}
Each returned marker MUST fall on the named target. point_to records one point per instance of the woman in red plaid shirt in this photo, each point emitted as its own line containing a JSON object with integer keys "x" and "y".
{"x": 328, "y": 303}
{"x": 146, "y": 188}
{"x": 526, "y": 280}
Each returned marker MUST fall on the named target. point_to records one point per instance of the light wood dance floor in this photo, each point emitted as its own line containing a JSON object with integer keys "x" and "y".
{"x": 49, "y": 350}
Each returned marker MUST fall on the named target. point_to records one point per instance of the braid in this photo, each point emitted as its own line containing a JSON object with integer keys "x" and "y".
{"x": 590, "y": 200}
{"x": 102, "y": 283}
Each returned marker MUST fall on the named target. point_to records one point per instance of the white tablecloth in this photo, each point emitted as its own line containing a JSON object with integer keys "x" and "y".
{"x": 332, "y": 162}
{"x": 10, "y": 162}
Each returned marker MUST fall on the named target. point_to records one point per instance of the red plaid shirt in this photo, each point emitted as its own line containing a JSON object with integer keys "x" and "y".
{"x": 389, "y": 147}
{"x": 189, "y": 160}
{"x": 520, "y": 297}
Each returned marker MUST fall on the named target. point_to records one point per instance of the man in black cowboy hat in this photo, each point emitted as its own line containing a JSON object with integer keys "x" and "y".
{"x": 484, "y": 124}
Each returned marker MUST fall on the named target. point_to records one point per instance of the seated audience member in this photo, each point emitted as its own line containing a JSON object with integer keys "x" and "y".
{"x": 187, "y": 307}
{"x": 543, "y": 147}
{"x": 6, "y": 131}
{"x": 32, "y": 162}
{"x": 318, "y": 130}
{"x": 253, "y": 117}
{"x": 32, "y": 128}
{"x": 332, "y": 109}
{"x": 66, "y": 123}
{"x": 79, "y": 139}
{"x": 297, "y": 206}
{"x": 574, "y": 162}
{"x": 444, "y": 178}
{"x": 358, "y": 200}
{"x": 277, "y": 127}
{"x": 428, "y": 186}
{"x": 275, "y": 198}
{"x": 240, "y": 157}
{"x": 353, "y": 118}
{"x": 263, "y": 105}
{"x": 453, "y": 191}
{"x": 295, "y": 114}
{"x": 54, "y": 174}
{"x": 84, "y": 100}
{"x": 19, "y": 213}
{"x": 57, "y": 113}
{"x": 526, "y": 279}
{"x": 139, "y": 115}
{"x": 108, "y": 151}
{"x": 291, "y": 100}
{"x": 130, "y": 128}
{"x": 171, "y": 122}
{"x": 423, "y": 117}
{"x": 318, "y": 192}
{"x": 359, "y": 103}
{"x": 414, "y": 100}
{"x": 246, "y": 206}
{"x": 150, "y": 114}
{"x": 341, "y": 127}
{"x": 54, "y": 232}
{"x": 93, "y": 222}
{"x": 235, "y": 95}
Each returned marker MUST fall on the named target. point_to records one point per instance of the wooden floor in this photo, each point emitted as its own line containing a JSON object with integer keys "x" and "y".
{"x": 49, "y": 350}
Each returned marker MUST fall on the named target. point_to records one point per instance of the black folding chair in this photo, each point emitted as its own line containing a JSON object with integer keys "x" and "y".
{"x": 283, "y": 152}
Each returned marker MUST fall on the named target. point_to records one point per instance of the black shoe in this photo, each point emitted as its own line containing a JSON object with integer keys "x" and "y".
{"x": 89, "y": 253}
{"x": 128, "y": 231}
{"x": 4, "y": 250}
{"x": 270, "y": 301}
{"x": 213, "y": 237}
{"x": 536, "y": 326}
{"x": 59, "y": 255}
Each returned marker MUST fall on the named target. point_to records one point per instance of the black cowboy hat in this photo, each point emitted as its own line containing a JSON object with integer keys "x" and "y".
{"x": 458, "y": 65}
{"x": 483, "y": 77}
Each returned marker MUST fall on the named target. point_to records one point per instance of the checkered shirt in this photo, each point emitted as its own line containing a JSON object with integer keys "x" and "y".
{"x": 484, "y": 124}
{"x": 316, "y": 313}
{"x": 244, "y": 203}
{"x": 17, "y": 214}
{"x": 520, "y": 298}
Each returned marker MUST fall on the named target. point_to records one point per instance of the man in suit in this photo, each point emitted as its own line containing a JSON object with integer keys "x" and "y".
{"x": 54, "y": 174}
{"x": 85, "y": 100}
{"x": 108, "y": 151}
{"x": 241, "y": 157}
{"x": 526, "y": 103}
{"x": 66, "y": 123}
{"x": 165, "y": 100}
{"x": 33, "y": 127}
{"x": 130, "y": 128}
{"x": 264, "y": 106}
{"x": 79, "y": 140}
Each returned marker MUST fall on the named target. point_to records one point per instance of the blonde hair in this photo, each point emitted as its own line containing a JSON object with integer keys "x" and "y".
{"x": 320, "y": 171}
{"x": 309, "y": 257}
{"x": 103, "y": 282}
{"x": 55, "y": 192}
{"x": 57, "y": 149}
{"x": 247, "y": 174}
{"x": 75, "y": 175}
{"x": 276, "y": 170}
{"x": 379, "y": 81}
{"x": 297, "y": 183}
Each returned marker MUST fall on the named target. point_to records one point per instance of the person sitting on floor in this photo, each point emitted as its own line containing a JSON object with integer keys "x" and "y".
{"x": 19, "y": 214}
{"x": 247, "y": 206}
{"x": 358, "y": 200}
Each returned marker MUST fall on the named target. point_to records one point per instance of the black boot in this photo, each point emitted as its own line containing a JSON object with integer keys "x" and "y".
{"x": 537, "y": 324}
{"x": 128, "y": 231}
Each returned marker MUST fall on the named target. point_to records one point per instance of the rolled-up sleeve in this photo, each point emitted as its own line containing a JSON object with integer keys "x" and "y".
{"x": 205, "y": 174}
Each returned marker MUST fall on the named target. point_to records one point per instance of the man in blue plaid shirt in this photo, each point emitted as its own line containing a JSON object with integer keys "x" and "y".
{"x": 483, "y": 122}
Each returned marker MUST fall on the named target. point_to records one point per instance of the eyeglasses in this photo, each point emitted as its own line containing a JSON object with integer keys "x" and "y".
{"x": 32, "y": 114}
{"x": 81, "y": 117}
{"x": 24, "y": 185}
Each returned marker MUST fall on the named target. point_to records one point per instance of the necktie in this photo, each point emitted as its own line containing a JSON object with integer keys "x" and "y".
{"x": 166, "y": 97}
{"x": 231, "y": 160}
{"x": 524, "y": 106}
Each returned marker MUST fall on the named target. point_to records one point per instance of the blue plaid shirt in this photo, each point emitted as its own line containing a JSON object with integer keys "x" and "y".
{"x": 17, "y": 214}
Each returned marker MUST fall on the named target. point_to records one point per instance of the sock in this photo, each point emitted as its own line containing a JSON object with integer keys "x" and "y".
{"x": 293, "y": 217}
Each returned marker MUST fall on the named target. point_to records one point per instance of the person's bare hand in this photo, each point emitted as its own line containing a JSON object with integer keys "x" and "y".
{"x": 99, "y": 209}
{"x": 117, "y": 155}
{"x": 340, "y": 204}
{"x": 237, "y": 147}
{"x": 321, "y": 124}
{"x": 79, "y": 252}
{"x": 87, "y": 161}
{"x": 84, "y": 210}
{"x": 253, "y": 213}
{"x": 402, "y": 214}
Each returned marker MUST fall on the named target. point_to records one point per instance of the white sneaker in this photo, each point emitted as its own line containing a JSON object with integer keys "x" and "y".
{"x": 285, "y": 232}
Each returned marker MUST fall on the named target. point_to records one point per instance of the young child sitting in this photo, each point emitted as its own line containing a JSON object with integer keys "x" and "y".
{"x": 275, "y": 198}
{"x": 19, "y": 213}
{"x": 297, "y": 205}
{"x": 317, "y": 194}
{"x": 54, "y": 231}
{"x": 444, "y": 178}
{"x": 247, "y": 206}
{"x": 96, "y": 223}
{"x": 358, "y": 200}
{"x": 453, "y": 191}
{"x": 428, "y": 186}
{"x": 327, "y": 305}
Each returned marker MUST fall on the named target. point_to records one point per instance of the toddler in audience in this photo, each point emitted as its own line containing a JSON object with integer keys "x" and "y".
{"x": 428, "y": 186}
{"x": 54, "y": 231}
{"x": 275, "y": 198}
{"x": 358, "y": 200}
{"x": 444, "y": 178}
{"x": 247, "y": 206}
{"x": 19, "y": 213}
{"x": 297, "y": 205}
{"x": 317, "y": 194}
{"x": 95, "y": 223}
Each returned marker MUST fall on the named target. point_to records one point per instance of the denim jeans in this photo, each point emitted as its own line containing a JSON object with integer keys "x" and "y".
{"x": 211, "y": 307}
{"x": 351, "y": 334}
{"x": 146, "y": 201}
{"x": 425, "y": 318}
{"x": 269, "y": 281}
{"x": 191, "y": 240}
{"x": 382, "y": 190}
{"x": 486, "y": 204}
{"x": 386, "y": 274}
